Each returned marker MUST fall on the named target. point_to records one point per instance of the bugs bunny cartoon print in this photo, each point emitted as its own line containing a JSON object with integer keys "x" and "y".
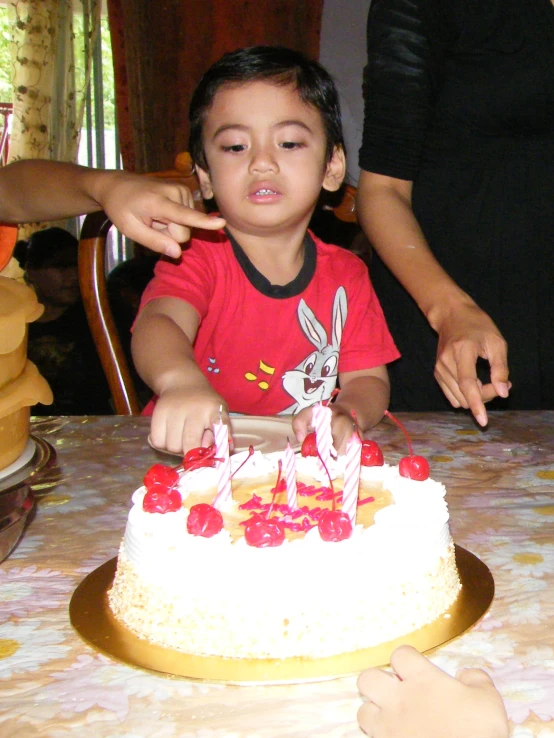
{"x": 315, "y": 378}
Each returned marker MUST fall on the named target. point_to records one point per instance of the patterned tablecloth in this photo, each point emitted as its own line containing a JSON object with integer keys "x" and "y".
{"x": 501, "y": 495}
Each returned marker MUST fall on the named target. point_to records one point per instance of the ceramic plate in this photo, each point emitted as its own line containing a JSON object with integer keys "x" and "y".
{"x": 266, "y": 434}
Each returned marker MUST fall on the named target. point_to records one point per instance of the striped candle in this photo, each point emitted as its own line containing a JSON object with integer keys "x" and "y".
{"x": 289, "y": 465}
{"x": 223, "y": 467}
{"x": 352, "y": 466}
{"x": 321, "y": 421}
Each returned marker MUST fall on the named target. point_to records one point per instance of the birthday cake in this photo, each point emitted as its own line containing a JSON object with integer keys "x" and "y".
{"x": 282, "y": 563}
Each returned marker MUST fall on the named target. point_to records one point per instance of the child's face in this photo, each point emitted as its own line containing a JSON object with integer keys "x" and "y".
{"x": 266, "y": 156}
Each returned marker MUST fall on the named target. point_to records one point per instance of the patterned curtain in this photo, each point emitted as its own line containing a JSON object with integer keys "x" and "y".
{"x": 50, "y": 78}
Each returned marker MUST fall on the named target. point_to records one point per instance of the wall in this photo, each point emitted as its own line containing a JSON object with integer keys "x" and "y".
{"x": 343, "y": 53}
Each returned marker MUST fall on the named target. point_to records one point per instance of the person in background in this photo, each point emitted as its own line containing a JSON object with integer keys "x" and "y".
{"x": 455, "y": 195}
{"x": 419, "y": 700}
{"x": 263, "y": 318}
{"x": 60, "y": 342}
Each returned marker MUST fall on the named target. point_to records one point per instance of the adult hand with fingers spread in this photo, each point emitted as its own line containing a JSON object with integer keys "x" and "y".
{"x": 419, "y": 700}
{"x": 465, "y": 335}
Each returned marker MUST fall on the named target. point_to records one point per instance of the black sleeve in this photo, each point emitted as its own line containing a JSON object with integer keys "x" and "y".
{"x": 406, "y": 44}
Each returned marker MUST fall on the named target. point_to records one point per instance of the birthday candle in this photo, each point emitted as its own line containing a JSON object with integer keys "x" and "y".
{"x": 223, "y": 467}
{"x": 290, "y": 476}
{"x": 352, "y": 477}
{"x": 321, "y": 421}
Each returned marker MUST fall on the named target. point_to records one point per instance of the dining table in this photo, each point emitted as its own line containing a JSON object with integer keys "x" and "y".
{"x": 500, "y": 493}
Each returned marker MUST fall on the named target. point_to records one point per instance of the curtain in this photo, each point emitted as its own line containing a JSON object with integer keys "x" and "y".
{"x": 162, "y": 48}
{"x": 50, "y": 78}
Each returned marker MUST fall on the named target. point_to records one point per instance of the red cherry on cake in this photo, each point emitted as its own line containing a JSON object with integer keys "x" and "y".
{"x": 414, "y": 467}
{"x": 262, "y": 533}
{"x": 309, "y": 446}
{"x": 372, "y": 454}
{"x": 204, "y": 520}
{"x": 410, "y": 467}
{"x": 161, "y": 474}
{"x": 334, "y": 525}
{"x": 199, "y": 457}
{"x": 160, "y": 499}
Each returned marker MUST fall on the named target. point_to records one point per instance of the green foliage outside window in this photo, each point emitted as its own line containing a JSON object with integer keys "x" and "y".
{"x": 107, "y": 64}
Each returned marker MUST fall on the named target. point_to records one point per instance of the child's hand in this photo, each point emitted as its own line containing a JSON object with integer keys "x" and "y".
{"x": 422, "y": 701}
{"x": 342, "y": 426}
{"x": 183, "y": 419}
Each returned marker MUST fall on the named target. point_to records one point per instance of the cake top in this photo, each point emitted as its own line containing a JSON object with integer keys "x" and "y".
{"x": 267, "y": 499}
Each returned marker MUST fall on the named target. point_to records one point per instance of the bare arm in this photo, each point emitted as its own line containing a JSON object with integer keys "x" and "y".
{"x": 187, "y": 405}
{"x": 152, "y": 212}
{"x": 366, "y": 393}
{"x": 465, "y": 332}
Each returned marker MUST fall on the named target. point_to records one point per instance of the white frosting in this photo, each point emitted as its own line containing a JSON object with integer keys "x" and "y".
{"x": 358, "y": 590}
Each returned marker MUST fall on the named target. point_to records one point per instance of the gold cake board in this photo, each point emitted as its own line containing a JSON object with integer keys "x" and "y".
{"x": 93, "y": 620}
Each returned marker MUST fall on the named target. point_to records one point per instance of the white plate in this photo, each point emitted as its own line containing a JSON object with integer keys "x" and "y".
{"x": 265, "y": 434}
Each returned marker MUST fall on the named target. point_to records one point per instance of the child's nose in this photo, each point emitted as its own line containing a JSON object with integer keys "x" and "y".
{"x": 263, "y": 160}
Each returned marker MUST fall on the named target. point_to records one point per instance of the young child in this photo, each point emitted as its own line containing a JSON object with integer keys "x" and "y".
{"x": 263, "y": 318}
{"x": 419, "y": 700}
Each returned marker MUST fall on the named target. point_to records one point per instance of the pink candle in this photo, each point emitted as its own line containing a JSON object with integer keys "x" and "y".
{"x": 289, "y": 465}
{"x": 352, "y": 467}
{"x": 223, "y": 467}
{"x": 321, "y": 421}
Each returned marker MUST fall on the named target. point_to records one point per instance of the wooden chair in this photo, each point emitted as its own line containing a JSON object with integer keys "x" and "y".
{"x": 92, "y": 280}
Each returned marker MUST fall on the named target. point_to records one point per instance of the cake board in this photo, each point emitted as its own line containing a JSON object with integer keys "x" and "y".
{"x": 92, "y": 619}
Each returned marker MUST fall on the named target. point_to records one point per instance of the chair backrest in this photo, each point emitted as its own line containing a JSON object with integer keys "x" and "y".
{"x": 92, "y": 280}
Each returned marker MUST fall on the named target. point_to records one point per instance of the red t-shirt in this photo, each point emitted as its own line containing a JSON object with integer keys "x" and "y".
{"x": 269, "y": 349}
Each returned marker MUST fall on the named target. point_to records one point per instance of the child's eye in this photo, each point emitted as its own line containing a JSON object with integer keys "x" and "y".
{"x": 291, "y": 145}
{"x": 235, "y": 148}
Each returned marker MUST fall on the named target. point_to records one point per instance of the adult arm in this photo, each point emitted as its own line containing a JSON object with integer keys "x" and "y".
{"x": 155, "y": 213}
{"x": 187, "y": 405}
{"x": 465, "y": 332}
{"x": 407, "y": 43}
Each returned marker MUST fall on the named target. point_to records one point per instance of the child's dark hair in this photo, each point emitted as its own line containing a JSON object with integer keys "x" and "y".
{"x": 279, "y": 65}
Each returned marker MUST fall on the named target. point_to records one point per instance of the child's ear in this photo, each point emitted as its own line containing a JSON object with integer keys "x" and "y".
{"x": 335, "y": 171}
{"x": 205, "y": 183}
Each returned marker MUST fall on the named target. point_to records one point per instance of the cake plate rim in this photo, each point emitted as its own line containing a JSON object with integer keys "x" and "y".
{"x": 43, "y": 456}
{"x": 92, "y": 619}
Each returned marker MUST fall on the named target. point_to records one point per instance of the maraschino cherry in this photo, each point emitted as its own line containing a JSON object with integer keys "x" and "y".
{"x": 161, "y": 474}
{"x": 161, "y": 499}
{"x": 411, "y": 467}
{"x": 204, "y": 520}
{"x": 372, "y": 454}
{"x": 263, "y": 533}
{"x": 309, "y": 445}
{"x": 199, "y": 457}
{"x": 334, "y": 525}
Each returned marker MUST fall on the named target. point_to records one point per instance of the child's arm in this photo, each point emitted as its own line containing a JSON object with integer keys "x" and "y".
{"x": 364, "y": 393}
{"x": 422, "y": 701}
{"x": 187, "y": 405}
{"x": 152, "y": 212}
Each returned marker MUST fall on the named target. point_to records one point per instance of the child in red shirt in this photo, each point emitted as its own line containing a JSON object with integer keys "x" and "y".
{"x": 263, "y": 318}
